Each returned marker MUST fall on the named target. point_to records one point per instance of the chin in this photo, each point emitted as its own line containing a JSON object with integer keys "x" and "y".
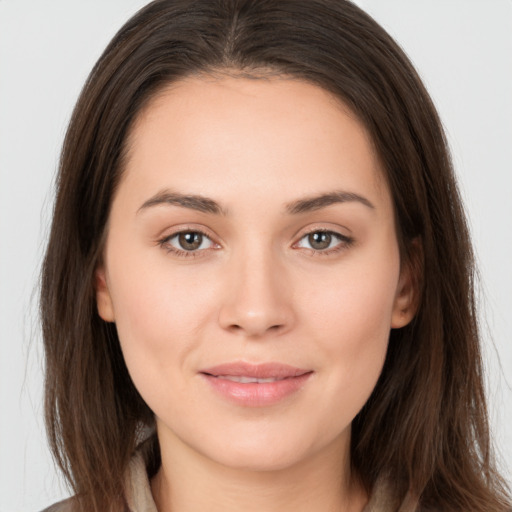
{"x": 271, "y": 453}
{"x": 259, "y": 460}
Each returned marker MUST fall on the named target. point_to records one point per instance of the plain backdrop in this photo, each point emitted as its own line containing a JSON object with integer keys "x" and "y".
{"x": 463, "y": 51}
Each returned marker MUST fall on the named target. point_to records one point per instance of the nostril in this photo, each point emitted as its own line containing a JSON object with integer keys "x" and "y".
{"x": 255, "y": 316}
{"x": 235, "y": 328}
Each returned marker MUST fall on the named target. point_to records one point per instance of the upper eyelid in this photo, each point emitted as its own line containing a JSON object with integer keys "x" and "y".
{"x": 176, "y": 230}
{"x": 218, "y": 241}
{"x": 162, "y": 240}
{"x": 338, "y": 230}
{"x": 177, "y": 233}
{"x": 340, "y": 236}
{"x": 168, "y": 238}
{"x": 323, "y": 230}
{"x": 207, "y": 232}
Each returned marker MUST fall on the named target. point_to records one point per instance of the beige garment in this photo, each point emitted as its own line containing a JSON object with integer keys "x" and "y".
{"x": 138, "y": 490}
{"x": 140, "y": 499}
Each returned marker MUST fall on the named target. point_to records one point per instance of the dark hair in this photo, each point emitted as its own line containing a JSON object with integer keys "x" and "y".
{"x": 425, "y": 426}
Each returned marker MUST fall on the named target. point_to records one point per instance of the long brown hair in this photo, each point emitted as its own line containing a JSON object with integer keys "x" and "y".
{"x": 425, "y": 427}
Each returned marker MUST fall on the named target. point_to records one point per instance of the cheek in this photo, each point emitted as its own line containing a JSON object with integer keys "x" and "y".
{"x": 159, "y": 315}
{"x": 352, "y": 319}
{"x": 356, "y": 301}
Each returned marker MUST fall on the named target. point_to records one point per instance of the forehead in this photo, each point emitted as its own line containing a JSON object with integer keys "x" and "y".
{"x": 207, "y": 134}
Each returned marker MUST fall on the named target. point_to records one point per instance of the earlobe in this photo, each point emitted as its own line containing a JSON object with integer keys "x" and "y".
{"x": 403, "y": 309}
{"x": 408, "y": 290}
{"x": 103, "y": 298}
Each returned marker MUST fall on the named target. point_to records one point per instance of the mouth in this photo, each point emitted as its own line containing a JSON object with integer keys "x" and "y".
{"x": 256, "y": 385}
{"x": 247, "y": 380}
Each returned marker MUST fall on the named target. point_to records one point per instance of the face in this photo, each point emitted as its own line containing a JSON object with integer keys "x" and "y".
{"x": 252, "y": 269}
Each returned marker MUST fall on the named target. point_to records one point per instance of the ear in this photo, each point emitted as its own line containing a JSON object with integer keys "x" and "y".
{"x": 103, "y": 298}
{"x": 408, "y": 291}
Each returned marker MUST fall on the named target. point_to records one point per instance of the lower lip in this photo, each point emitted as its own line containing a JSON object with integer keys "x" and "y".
{"x": 255, "y": 394}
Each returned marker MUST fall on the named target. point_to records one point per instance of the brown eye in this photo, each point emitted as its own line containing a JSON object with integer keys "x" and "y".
{"x": 189, "y": 243}
{"x": 324, "y": 242}
{"x": 320, "y": 240}
{"x": 190, "y": 240}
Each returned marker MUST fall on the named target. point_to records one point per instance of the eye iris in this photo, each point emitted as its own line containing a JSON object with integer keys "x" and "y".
{"x": 319, "y": 240}
{"x": 190, "y": 241}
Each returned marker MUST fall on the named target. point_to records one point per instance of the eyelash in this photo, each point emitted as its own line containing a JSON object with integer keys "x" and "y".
{"x": 344, "y": 243}
{"x": 164, "y": 243}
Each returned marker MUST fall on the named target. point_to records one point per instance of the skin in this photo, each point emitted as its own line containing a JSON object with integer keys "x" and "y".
{"x": 255, "y": 290}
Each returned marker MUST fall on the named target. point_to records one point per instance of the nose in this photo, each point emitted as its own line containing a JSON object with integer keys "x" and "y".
{"x": 258, "y": 296}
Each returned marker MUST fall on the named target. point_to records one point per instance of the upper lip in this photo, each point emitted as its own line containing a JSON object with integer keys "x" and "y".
{"x": 256, "y": 371}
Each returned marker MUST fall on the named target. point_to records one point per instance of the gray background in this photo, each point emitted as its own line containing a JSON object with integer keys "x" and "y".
{"x": 463, "y": 50}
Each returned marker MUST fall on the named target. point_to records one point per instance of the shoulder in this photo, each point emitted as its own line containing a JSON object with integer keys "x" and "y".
{"x": 68, "y": 505}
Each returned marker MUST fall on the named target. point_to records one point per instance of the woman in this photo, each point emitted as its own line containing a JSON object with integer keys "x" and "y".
{"x": 257, "y": 292}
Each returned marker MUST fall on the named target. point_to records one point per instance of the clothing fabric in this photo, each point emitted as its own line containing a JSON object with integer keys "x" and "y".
{"x": 140, "y": 499}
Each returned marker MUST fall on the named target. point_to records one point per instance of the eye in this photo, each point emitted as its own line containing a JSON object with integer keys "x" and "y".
{"x": 187, "y": 241}
{"x": 324, "y": 241}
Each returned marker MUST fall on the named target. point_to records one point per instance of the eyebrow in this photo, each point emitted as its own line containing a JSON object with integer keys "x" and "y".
{"x": 323, "y": 200}
{"x": 194, "y": 202}
{"x": 207, "y": 205}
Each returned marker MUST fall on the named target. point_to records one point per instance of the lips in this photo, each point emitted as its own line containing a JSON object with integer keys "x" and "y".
{"x": 255, "y": 385}
{"x": 247, "y": 380}
{"x": 255, "y": 371}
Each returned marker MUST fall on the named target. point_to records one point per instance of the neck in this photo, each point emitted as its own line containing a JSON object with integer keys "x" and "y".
{"x": 188, "y": 481}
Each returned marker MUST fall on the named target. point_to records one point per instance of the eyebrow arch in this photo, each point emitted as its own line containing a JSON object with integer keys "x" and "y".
{"x": 323, "y": 200}
{"x": 207, "y": 205}
{"x": 194, "y": 202}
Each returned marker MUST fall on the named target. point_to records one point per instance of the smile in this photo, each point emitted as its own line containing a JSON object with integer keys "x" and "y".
{"x": 255, "y": 385}
{"x": 248, "y": 380}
